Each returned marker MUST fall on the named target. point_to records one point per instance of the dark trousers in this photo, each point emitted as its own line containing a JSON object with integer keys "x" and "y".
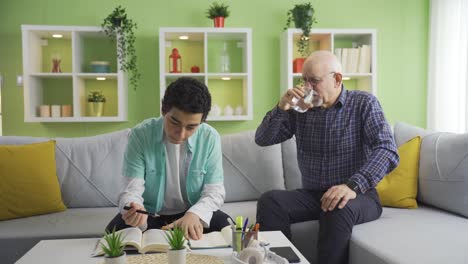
{"x": 218, "y": 221}
{"x": 278, "y": 209}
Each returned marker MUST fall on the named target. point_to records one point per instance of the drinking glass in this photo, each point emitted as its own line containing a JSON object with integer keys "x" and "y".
{"x": 303, "y": 104}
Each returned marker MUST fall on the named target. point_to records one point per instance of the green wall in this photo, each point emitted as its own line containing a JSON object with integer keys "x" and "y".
{"x": 402, "y": 33}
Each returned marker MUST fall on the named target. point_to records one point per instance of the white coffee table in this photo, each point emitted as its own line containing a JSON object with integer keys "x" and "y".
{"x": 78, "y": 251}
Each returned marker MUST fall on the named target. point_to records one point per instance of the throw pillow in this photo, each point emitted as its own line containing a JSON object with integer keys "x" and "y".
{"x": 400, "y": 187}
{"x": 28, "y": 180}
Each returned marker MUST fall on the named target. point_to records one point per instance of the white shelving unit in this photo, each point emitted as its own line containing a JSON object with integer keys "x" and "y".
{"x": 77, "y": 47}
{"x": 330, "y": 39}
{"x": 203, "y": 48}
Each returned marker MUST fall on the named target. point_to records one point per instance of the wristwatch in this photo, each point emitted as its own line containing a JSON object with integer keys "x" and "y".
{"x": 353, "y": 186}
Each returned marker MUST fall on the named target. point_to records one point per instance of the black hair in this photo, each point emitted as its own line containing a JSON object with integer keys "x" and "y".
{"x": 188, "y": 95}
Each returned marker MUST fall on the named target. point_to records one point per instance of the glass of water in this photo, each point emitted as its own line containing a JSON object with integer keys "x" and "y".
{"x": 303, "y": 104}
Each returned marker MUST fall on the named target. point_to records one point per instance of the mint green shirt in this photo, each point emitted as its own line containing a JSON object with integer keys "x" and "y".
{"x": 145, "y": 158}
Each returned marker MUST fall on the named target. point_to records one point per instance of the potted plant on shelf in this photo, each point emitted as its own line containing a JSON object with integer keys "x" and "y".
{"x": 121, "y": 29}
{"x": 113, "y": 248}
{"x": 178, "y": 252}
{"x": 96, "y": 100}
{"x": 218, "y": 12}
{"x": 303, "y": 17}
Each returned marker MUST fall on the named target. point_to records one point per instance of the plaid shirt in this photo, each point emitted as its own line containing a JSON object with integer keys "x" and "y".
{"x": 349, "y": 141}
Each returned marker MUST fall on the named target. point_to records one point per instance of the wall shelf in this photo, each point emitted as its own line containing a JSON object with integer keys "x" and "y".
{"x": 203, "y": 48}
{"x": 77, "y": 47}
{"x": 334, "y": 40}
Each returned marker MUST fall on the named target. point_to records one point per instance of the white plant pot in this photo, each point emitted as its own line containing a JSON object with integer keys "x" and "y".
{"x": 117, "y": 260}
{"x": 177, "y": 256}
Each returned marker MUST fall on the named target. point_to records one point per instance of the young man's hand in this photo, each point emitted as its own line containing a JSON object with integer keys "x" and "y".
{"x": 334, "y": 195}
{"x": 132, "y": 218}
{"x": 190, "y": 222}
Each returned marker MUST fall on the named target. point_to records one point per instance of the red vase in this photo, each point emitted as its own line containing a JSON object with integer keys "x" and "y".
{"x": 297, "y": 65}
{"x": 218, "y": 21}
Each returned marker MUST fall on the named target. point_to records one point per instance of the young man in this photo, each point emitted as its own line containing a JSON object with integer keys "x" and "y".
{"x": 173, "y": 167}
{"x": 344, "y": 148}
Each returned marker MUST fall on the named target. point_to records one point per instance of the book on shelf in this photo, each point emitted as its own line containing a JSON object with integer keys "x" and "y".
{"x": 364, "y": 59}
{"x": 154, "y": 240}
{"x": 353, "y": 60}
{"x": 344, "y": 60}
{"x": 338, "y": 54}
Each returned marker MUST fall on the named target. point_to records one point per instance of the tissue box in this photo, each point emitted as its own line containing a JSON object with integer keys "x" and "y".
{"x": 100, "y": 66}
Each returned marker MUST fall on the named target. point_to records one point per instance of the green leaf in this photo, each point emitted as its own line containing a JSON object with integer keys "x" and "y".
{"x": 176, "y": 238}
{"x": 114, "y": 241}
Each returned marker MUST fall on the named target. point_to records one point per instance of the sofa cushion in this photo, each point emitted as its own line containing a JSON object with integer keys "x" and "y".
{"x": 399, "y": 187}
{"x": 443, "y": 172}
{"x": 250, "y": 170}
{"x": 404, "y": 132}
{"x": 90, "y": 169}
{"x": 28, "y": 183}
{"x": 292, "y": 174}
{"x": 425, "y": 235}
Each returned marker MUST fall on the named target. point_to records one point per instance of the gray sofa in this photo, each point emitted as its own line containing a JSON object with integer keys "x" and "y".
{"x": 89, "y": 174}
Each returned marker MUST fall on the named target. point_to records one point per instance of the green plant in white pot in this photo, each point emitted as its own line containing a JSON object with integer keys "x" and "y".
{"x": 96, "y": 100}
{"x": 113, "y": 248}
{"x": 177, "y": 253}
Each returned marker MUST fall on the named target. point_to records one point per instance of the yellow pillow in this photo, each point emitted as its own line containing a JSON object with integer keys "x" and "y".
{"x": 28, "y": 180}
{"x": 400, "y": 187}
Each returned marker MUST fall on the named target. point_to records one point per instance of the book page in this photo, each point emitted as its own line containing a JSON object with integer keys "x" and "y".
{"x": 216, "y": 239}
{"x": 154, "y": 240}
{"x": 130, "y": 236}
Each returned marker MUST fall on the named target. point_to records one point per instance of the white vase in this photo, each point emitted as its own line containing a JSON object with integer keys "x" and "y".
{"x": 116, "y": 260}
{"x": 215, "y": 110}
{"x": 177, "y": 256}
{"x": 239, "y": 110}
{"x": 228, "y": 111}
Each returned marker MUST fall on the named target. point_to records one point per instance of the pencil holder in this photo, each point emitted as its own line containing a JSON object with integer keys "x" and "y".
{"x": 241, "y": 239}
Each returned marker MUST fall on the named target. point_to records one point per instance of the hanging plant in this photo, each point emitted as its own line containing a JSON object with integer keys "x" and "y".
{"x": 121, "y": 29}
{"x": 303, "y": 17}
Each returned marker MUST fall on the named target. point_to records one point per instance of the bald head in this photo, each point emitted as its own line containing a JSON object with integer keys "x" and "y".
{"x": 323, "y": 60}
{"x": 322, "y": 71}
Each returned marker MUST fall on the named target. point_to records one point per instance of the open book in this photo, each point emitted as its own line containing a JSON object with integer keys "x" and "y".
{"x": 217, "y": 239}
{"x": 154, "y": 240}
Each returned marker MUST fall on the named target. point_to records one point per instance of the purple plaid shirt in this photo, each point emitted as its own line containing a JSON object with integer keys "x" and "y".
{"x": 349, "y": 141}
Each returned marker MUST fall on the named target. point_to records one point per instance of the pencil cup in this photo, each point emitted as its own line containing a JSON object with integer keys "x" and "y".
{"x": 241, "y": 240}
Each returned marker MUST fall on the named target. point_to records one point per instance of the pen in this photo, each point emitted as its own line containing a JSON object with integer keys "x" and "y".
{"x": 257, "y": 227}
{"x": 244, "y": 227}
{"x": 138, "y": 211}
{"x": 245, "y": 224}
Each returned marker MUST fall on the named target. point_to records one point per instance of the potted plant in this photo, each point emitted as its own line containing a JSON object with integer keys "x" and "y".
{"x": 178, "y": 252}
{"x": 121, "y": 29}
{"x": 113, "y": 248}
{"x": 96, "y": 100}
{"x": 303, "y": 17}
{"x": 218, "y": 12}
